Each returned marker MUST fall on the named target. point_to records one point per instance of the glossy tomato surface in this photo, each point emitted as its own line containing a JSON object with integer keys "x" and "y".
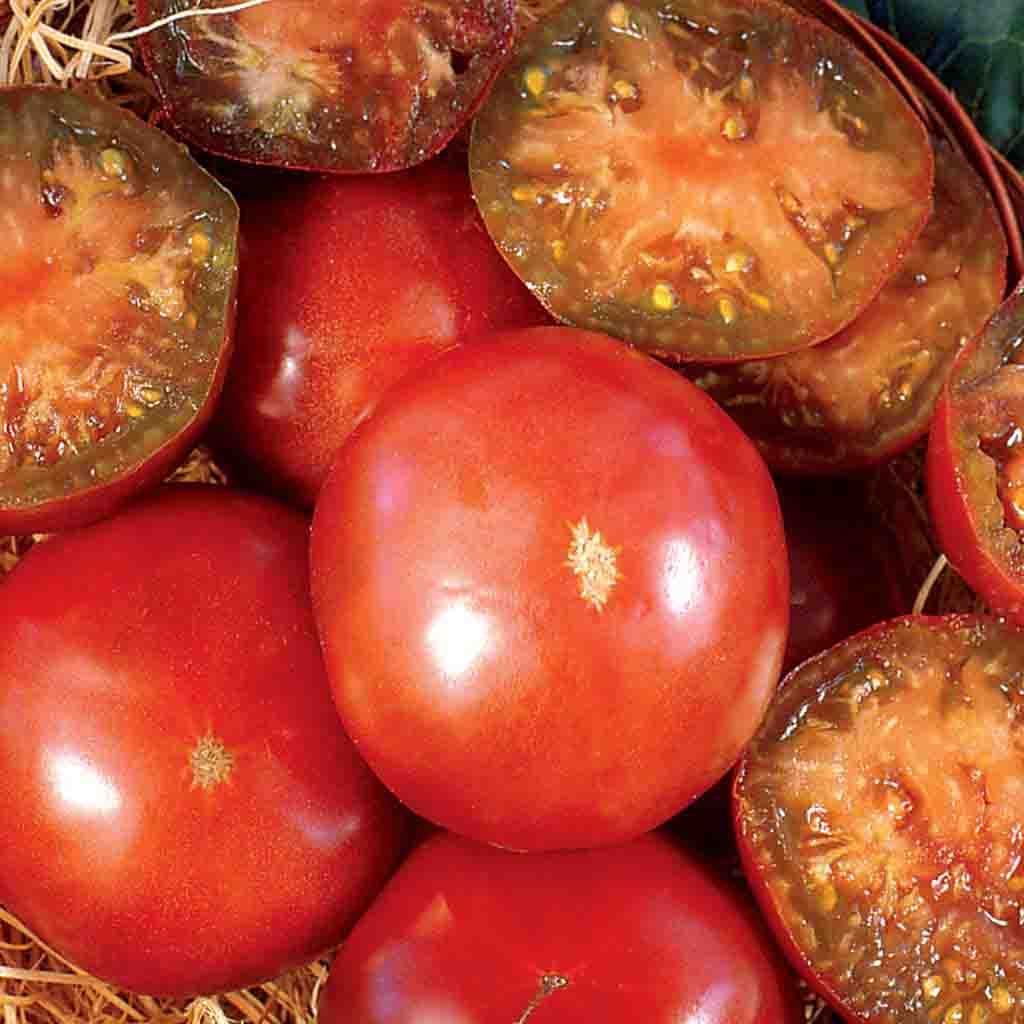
{"x": 708, "y": 179}
{"x": 975, "y": 465}
{"x": 117, "y": 298}
{"x": 337, "y": 85}
{"x": 637, "y": 932}
{"x": 182, "y": 811}
{"x": 550, "y": 579}
{"x": 347, "y": 284}
{"x": 880, "y": 816}
{"x": 870, "y": 391}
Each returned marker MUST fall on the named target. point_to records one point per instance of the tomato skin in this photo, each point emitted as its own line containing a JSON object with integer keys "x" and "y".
{"x": 344, "y": 289}
{"x": 137, "y": 652}
{"x": 641, "y": 931}
{"x": 452, "y": 546}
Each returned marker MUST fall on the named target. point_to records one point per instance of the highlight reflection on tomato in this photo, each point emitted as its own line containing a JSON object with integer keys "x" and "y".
{"x": 551, "y": 583}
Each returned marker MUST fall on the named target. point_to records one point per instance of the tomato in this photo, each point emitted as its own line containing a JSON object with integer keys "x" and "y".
{"x": 182, "y": 812}
{"x": 116, "y": 305}
{"x": 870, "y": 391}
{"x": 879, "y": 814}
{"x": 975, "y": 464}
{"x": 708, "y": 180}
{"x": 641, "y": 931}
{"x": 346, "y": 285}
{"x": 845, "y": 570}
{"x": 550, "y": 579}
{"x": 339, "y": 85}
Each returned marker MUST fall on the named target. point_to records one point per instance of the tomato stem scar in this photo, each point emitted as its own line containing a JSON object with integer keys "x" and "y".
{"x": 549, "y": 983}
{"x": 211, "y": 762}
{"x": 593, "y": 563}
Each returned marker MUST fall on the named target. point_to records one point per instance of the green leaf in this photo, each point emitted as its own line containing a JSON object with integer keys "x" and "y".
{"x": 976, "y": 47}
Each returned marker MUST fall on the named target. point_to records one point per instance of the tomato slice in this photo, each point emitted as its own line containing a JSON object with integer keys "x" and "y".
{"x": 975, "y": 464}
{"x": 708, "y": 180}
{"x": 116, "y": 301}
{"x": 340, "y": 85}
{"x": 880, "y": 816}
{"x": 870, "y": 391}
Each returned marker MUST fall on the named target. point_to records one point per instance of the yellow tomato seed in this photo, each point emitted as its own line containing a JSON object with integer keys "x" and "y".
{"x": 727, "y": 309}
{"x": 932, "y": 987}
{"x": 618, "y": 15}
{"x": 535, "y": 81}
{"x": 762, "y": 302}
{"x": 625, "y": 90}
{"x": 832, "y": 253}
{"x": 559, "y": 250}
{"x": 663, "y": 297}
{"x": 736, "y": 261}
{"x": 114, "y": 163}
{"x": 1002, "y": 1000}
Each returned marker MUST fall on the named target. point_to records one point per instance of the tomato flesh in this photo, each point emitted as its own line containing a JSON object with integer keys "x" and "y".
{"x": 715, "y": 181}
{"x": 640, "y": 931}
{"x": 880, "y": 815}
{"x": 182, "y": 810}
{"x": 374, "y": 85}
{"x": 870, "y": 391}
{"x": 116, "y": 299}
{"x": 973, "y": 469}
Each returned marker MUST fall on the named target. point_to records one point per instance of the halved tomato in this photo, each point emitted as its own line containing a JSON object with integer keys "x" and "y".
{"x": 975, "y": 464}
{"x": 870, "y": 391}
{"x": 116, "y": 304}
{"x": 339, "y": 85}
{"x": 880, "y": 817}
{"x": 709, "y": 180}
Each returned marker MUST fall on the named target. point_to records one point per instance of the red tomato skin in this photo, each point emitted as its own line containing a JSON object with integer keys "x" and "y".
{"x": 642, "y": 931}
{"x": 478, "y": 683}
{"x": 347, "y": 284}
{"x": 128, "y": 642}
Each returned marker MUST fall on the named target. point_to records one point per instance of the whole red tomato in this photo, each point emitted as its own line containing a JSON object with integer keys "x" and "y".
{"x": 551, "y": 584}
{"x": 346, "y": 285}
{"x": 181, "y": 810}
{"x": 637, "y": 932}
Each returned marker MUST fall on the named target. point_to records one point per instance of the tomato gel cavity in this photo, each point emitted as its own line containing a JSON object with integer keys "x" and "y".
{"x": 551, "y": 583}
{"x": 116, "y": 300}
{"x": 870, "y": 391}
{"x": 708, "y": 180}
{"x": 336, "y": 85}
{"x": 880, "y": 815}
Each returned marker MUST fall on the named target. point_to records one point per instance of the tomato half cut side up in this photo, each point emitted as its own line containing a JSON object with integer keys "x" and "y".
{"x": 339, "y": 85}
{"x": 975, "y": 464}
{"x": 117, "y": 288}
{"x": 880, "y": 818}
{"x": 708, "y": 180}
{"x": 870, "y": 392}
